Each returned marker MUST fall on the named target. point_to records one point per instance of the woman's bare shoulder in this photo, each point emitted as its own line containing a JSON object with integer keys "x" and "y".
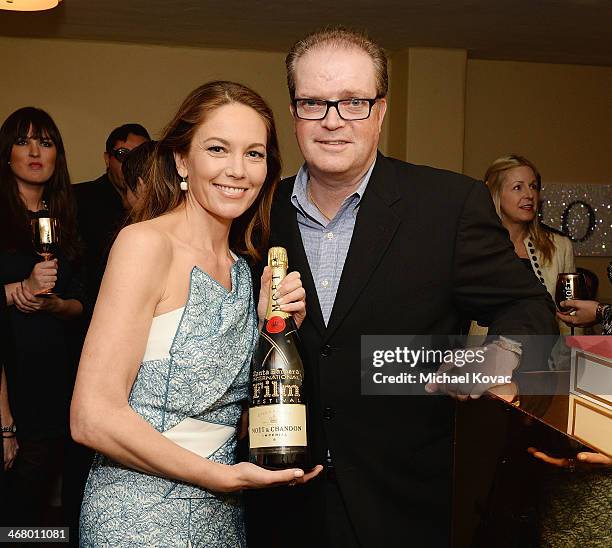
{"x": 145, "y": 241}
{"x": 138, "y": 267}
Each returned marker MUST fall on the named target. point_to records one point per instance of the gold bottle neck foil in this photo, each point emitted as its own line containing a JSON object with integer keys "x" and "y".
{"x": 277, "y": 257}
{"x": 277, "y": 260}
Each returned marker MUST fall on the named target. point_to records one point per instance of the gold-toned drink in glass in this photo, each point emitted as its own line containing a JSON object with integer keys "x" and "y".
{"x": 45, "y": 237}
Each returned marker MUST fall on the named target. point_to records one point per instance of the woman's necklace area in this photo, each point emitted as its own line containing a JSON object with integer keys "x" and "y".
{"x": 309, "y": 193}
{"x": 41, "y": 206}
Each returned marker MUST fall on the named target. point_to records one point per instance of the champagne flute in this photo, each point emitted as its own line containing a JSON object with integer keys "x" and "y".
{"x": 45, "y": 237}
{"x": 570, "y": 285}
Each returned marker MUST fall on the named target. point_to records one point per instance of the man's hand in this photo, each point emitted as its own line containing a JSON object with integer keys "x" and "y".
{"x": 496, "y": 370}
{"x": 588, "y": 459}
{"x": 506, "y": 392}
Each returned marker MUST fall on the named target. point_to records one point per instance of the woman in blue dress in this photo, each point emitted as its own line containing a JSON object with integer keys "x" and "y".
{"x": 164, "y": 370}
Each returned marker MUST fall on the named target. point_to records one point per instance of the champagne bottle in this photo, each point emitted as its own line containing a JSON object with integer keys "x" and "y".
{"x": 277, "y": 413}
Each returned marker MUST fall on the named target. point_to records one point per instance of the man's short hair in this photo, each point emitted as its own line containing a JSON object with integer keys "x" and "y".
{"x": 339, "y": 37}
{"x": 136, "y": 163}
{"x": 121, "y": 134}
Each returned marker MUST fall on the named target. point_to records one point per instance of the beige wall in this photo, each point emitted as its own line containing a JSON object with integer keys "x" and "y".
{"x": 444, "y": 110}
{"x": 427, "y": 106}
{"x": 559, "y": 116}
{"x": 89, "y": 88}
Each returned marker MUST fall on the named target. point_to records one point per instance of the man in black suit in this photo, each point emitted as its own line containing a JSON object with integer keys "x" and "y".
{"x": 383, "y": 247}
{"x": 102, "y": 204}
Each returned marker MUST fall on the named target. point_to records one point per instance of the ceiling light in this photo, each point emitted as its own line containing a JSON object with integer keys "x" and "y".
{"x": 28, "y": 5}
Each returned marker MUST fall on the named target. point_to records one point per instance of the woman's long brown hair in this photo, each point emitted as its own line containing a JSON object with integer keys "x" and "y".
{"x": 14, "y": 221}
{"x": 250, "y": 232}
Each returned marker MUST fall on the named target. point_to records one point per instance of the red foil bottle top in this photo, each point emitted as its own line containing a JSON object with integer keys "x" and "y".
{"x": 275, "y": 324}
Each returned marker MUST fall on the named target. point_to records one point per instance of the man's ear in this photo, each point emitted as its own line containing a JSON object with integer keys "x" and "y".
{"x": 107, "y": 159}
{"x": 293, "y": 116}
{"x": 181, "y": 166}
{"x": 382, "y": 109}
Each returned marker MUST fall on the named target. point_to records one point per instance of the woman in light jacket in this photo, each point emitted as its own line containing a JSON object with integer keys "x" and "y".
{"x": 515, "y": 184}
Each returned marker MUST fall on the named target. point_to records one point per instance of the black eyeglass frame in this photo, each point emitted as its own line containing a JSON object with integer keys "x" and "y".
{"x": 335, "y": 104}
{"x": 120, "y": 154}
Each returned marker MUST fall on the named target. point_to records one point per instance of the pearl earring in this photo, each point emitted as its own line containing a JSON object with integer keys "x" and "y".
{"x": 184, "y": 184}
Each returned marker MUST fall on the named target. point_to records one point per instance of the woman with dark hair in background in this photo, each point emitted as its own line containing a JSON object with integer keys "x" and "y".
{"x": 34, "y": 182}
{"x": 164, "y": 370}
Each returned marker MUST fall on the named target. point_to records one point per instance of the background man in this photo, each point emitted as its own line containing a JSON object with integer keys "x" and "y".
{"x": 384, "y": 247}
{"x": 102, "y": 204}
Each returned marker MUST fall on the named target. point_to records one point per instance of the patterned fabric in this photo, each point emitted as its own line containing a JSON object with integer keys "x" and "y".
{"x": 547, "y": 272}
{"x": 606, "y": 324}
{"x": 204, "y": 378}
{"x": 326, "y": 242}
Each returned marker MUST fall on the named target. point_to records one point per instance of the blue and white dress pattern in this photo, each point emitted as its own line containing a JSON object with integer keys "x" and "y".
{"x": 196, "y": 391}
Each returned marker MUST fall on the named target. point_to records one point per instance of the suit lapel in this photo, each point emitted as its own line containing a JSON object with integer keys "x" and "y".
{"x": 374, "y": 229}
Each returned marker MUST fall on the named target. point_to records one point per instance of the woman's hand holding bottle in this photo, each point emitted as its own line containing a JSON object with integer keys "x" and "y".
{"x": 290, "y": 295}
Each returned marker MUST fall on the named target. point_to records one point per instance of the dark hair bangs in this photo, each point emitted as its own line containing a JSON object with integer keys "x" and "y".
{"x": 37, "y": 123}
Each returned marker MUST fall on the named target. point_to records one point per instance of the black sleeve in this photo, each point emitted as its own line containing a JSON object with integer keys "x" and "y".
{"x": 491, "y": 285}
{"x": 75, "y": 287}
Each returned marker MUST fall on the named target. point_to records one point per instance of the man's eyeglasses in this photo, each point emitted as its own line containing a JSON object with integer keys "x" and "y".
{"x": 348, "y": 109}
{"x": 120, "y": 154}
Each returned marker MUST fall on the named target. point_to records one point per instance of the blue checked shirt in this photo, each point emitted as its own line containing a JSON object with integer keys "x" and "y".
{"x": 326, "y": 242}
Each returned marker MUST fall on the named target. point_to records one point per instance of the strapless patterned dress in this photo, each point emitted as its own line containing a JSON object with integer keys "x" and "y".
{"x": 189, "y": 387}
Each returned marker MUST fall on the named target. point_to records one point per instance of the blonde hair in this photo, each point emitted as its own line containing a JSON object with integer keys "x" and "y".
{"x": 339, "y": 37}
{"x": 494, "y": 178}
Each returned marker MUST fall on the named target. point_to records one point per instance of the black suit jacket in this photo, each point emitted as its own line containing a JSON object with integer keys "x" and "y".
{"x": 427, "y": 251}
{"x": 100, "y": 215}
